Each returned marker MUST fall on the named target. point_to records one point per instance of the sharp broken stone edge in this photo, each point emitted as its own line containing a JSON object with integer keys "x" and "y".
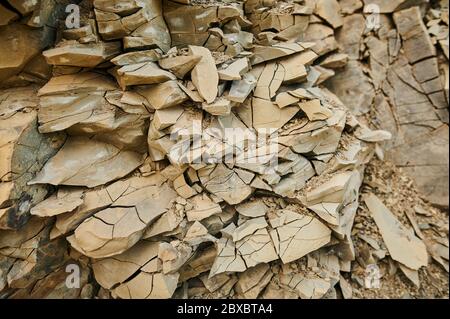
{"x": 88, "y": 169}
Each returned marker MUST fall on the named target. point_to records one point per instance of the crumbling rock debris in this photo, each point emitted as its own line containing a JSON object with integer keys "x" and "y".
{"x": 120, "y": 160}
{"x": 388, "y": 62}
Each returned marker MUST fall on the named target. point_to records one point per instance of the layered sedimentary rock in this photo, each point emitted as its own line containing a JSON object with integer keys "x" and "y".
{"x": 184, "y": 149}
{"x": 402, "y": 68}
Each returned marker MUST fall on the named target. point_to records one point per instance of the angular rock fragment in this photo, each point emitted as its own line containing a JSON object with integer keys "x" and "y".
{"x": 220, "y": 107}
{"x": 19, "y": 45}
{"x": 224, "y": 183}
{"x": 182, "y": 188}
{"x": 202, "y": 207}
{"x": 63, "y": 202}
{"x": 158, "y": 200}
{"x": 416, "y": 42}
{"x": 117, "y": 228}
{"x": 240, "y": 89}
{"x": 142, "y": 73}
{"x": 235, "y": 70}
{"x": 329, "y": 10}
{"x": 295, "y": 235}
{"x": 252, "y": 282}
{"x": 7, "y": 16}
{"x": 227, "y": 259}
{"x": 152, "y": 55}
{"x": 164, "y": 95}
{"x": 82, "y": 55}
{"x": 252, "y": 209}
{"x": 24, "y": 152}
{"x": 108, "y": 164}
{"x": 180, "y": 65}
{"x": 204, "y": 74}
{"x": 265, "y": 53}
{"x": 403, "y": 246}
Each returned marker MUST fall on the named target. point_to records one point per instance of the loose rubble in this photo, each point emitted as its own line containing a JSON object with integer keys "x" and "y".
{"x": 117, "y": 158}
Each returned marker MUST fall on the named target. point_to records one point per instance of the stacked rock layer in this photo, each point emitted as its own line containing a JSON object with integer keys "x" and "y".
{"x": 122, "y": 164}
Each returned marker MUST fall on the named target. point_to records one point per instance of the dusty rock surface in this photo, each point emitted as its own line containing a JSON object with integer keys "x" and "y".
{"x": 224, "y": 149}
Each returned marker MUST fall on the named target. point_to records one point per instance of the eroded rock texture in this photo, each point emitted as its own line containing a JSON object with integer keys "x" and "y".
{"x": 402, "y": 68}
{"x": 120, "y": 162}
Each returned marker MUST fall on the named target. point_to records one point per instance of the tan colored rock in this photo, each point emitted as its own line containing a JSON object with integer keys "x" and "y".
{"x": 163, "y": 95}
{"x": 117, "y": 228}
{"x": 148, "y": 286}
{"x": 314, "y": 110}
{"x": 312, "y": 288}
{"x": 219, "y": 107}
{"x": 412, "y": 275}
{"x": 137, "y": 57}
{"x": 257, "y": 248}
{"x": 142, "y": 73}
{"x": 402, "y": 244}
{"x": 173, "y": 255}
{"x": 252, "y": 281}
{"x": 109, "y": 163}
{"x": 85, "y": 81}
{"x": 294, "y": 66}
{"x": 389, "y": 6}
{"x": 337, "y": 60}
{"x": 118, "y": 269}
{"x": 60, "y": 111}
{"x": 7, "y": 16}
{"x": 151, "y": 34}
{"x": 266, "y": 53}
{"x": 202, "y": 207}
{"x": 295, "y": 235}
{"x": 224, "y": 183}
{"x": 167, "y": 117}
{"x": 254, "y": 208}
{"x": 168, "y": 222}
{"x": 269, "y": 79}
{"x": 24, "y": 152}
{"x": 248, "y": 228}
{"x": 180, "y": 65}
{"x": 329, "y": 212}
{"x": 114, "y": 6}
{"x": 284, "y": 99}
{"x": 199, "y": 263}
{"x": 109, "y": 232}
{"x": 94, "y": 200}
{"x": 235, "y": 70}
{"x": 83, "y": 55}
{"x": 416, "y": 41}
{"x": 365, "y": 134}
{"x": 227, "y": 259}
{"x": 182, "y": 188}
{"x": 267, "y": 115}
{"x": 329, "y": 10}
{"x": 204, "y": 74}
{"x": 332, "y": 191}
{"x": 110, "y": 25}
{"x": 241, "y": 89}
{"x": 346, "y": 288}
{"x": 62, "y": 202}
{"x": 18, "y": 46}
{"x": 197, "y": 234}
{"x": 247, "y": 225}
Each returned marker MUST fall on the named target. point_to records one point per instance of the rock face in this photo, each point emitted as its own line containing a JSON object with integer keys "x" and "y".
{"x": 404, "y": 83}
{"x": 22, "y": 40}
{"x": 24, "y": 152}
{"x": 403, "y": 247}
{"x": 197, "y": 148}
